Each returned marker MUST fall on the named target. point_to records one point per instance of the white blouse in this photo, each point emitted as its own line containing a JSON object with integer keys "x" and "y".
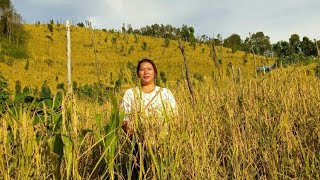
{"x": 156, "y": 103}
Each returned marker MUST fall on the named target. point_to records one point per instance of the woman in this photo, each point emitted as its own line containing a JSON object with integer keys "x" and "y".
{"x": 148, "y": 100}
{"x": 149, "y": 104}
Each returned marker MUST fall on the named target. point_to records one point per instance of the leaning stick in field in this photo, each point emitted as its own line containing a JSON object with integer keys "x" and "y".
{"x": 254, "y": 57}
{"x": 239, "y": 75}
{"x": 215, "y": 57}
{"x": 186, "y": 68}
{"x": 315, "y": 41}
{"x": 233, "y": 74}
{"x": 214, "y": 54}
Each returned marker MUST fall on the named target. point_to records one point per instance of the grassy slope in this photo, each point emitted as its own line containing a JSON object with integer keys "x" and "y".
{"x": 48, "y": 57}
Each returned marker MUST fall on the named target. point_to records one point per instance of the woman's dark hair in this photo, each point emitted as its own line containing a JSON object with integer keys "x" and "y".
{"x": 149, "y": 61}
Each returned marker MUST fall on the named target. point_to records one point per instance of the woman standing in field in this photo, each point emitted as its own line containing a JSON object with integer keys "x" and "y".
{"x": 148, "y": 100}
{"x": 146, "y": 110}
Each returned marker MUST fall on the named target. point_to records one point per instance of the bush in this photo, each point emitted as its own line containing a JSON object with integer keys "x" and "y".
{"x": 166, "y": 42}
{"x": 163, "y": 77}
{"x": 292, "y": 59}
{"x": 50, "y": 27}
{"x": 317, "y": 70}
{"x": 45, "y": 91}
{"x": 199, "y": 77}
{"x": 144, "y": 46}
{"x": 18, "y": 87}
{"x": 4, "y": 93}
{"x": 15, "y": 51}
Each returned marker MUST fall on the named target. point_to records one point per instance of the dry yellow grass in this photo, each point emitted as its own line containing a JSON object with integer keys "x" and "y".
{"x": 48, "y": 57}
{"x": 262, "y": 128}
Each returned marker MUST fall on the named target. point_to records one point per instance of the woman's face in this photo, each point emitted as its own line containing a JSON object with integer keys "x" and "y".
{"x": 146, "y": 73}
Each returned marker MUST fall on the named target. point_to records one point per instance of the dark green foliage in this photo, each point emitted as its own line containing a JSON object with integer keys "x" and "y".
{"x": 4, "y": 93}
{"x": 50, "y": 27}
{"x": 114, "y": 40}
{"x": 93, "y": 92}
{"x": 13, "y": 37}
{"x": 45, "y": 91}
{"x": 317, "y": 70}
{"x": 26, "y": 67}
{"x": 18, "y": 87}
{"x": 294, "y": 42}
{"x": 61, "y": 86}
{"x": 308, "y": 47}
{"x": 198, "y": 77}
{"x": 144, "y": 46}
{"x": 80, "y": 24}
{"x": 130, "y": 49}
{"x": 74, "y": 86}
{"x": 118, "y": 84}
{"x": 163, "y": 77}
{"x": 12, "y": 50}
{"x": 260, "y": 43}
{"x": 166, "y": 42}
{"x": 294, "y": 59}
{"x": 132, "y": 68}
{"x": 234, "y": 42}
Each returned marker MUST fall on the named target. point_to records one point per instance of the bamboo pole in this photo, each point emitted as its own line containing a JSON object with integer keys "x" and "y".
{"x": 315, "y": 41}
{"x": 68, "y": 57}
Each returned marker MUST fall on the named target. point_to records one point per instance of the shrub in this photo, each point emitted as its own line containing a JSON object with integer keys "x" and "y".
{"x": 26, "y": 67}
{"x": 61, "y": 86}
{"x": 4, "y": 92}
{"x": 317, "y": 70}
{"x": 144, "y": 46}
{"x": 18, "y": 87}
{"x": 163, "y": 77}
{"x": 45, "y": 91}
{"x": 198, "y": 77}
{"x": 166, "y": 42}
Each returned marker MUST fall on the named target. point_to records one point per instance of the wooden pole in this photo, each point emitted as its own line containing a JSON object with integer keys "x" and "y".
{"x": 239, "y": 75}
{"x": 315, "y": 41}
{"x": 215, "y": 57}
{"x": 233, "y": 75}
{"x": 69, "y": 57}
{"x": 187, "y": 70}
{"x": 254, "y": 57}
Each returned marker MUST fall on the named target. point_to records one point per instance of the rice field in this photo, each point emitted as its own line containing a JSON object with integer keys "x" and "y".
{"x": 264, "y": 127}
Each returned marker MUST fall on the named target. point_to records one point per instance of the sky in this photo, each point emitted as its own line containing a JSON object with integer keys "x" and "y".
{"x": 278, "y": 19}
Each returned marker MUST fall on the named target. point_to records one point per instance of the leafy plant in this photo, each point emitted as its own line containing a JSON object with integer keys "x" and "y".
{"x": 4, "y": 93}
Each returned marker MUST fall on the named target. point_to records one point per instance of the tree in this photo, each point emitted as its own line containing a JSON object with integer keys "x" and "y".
{"x": 12, "y": 34}
{"x": 294, "y": 42}
{"x": 187, "y": 33}
{"x": 10, "y": 22}
{"x": 308, "y": 47}
{"x": 282, "y": 48}
{"x": 261, "y": 43}
{"x": 233, "y": 41}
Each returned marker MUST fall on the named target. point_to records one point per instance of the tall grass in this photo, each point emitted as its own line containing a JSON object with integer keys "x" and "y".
{"x": 266, "y": 127}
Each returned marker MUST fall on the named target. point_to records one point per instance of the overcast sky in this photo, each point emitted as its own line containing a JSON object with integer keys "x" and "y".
{"x": 278, "y": 19}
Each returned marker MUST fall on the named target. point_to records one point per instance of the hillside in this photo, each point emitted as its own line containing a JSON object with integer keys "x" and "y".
{"x": 98, "y": 54}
